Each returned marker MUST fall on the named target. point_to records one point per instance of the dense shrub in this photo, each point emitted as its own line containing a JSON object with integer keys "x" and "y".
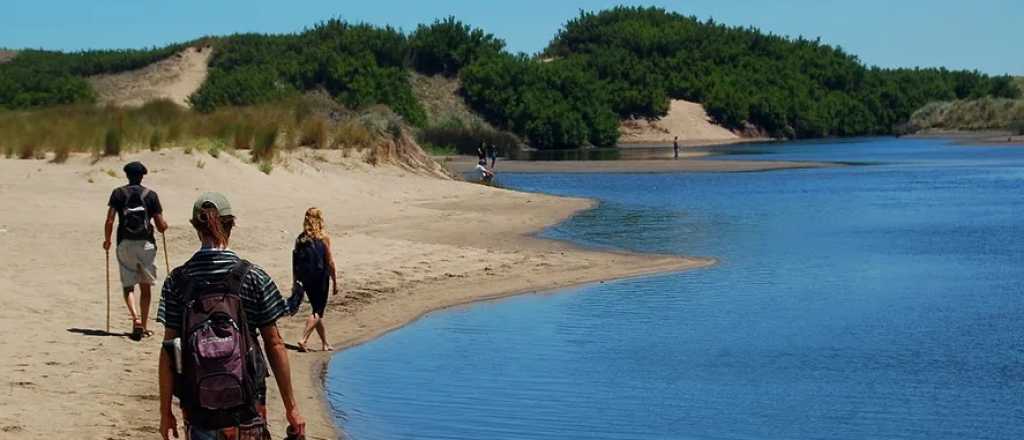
{"x": 465, "y": 140}
{"x": 37, "y": 78}
{"x": 790, "y": 87}
{"x": 448, "y": 45}
{"x": 601, "y": 67}
{"x": 968, "y": 114}
{"x": 553, "y": 105}
{"x": 359, "y": 65}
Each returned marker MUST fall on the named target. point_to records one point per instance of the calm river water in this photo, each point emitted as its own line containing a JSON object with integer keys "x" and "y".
{"x": 875, "y": 301}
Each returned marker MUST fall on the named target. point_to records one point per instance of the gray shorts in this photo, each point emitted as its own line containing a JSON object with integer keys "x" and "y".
{"x": 137, "y": 261}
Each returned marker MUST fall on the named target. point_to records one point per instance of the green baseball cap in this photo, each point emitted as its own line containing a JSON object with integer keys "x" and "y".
{"x": 216, "y": 199}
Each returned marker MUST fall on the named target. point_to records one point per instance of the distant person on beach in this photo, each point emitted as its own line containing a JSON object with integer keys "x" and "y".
{"x": 675, "y": 147}
{"x": 314, "y": 272}
{"x": 486, "y": 175}
{"x": 492, "y": 153}
{"x": 136, "y": 208}
{"x": 481, "y": 151}
{"x": 212, "y": 308}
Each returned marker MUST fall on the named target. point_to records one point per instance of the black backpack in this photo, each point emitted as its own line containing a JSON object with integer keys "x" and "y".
{"x": 308, "y": 258}
{"x": 223, "y": 369}
{"x": 134, "y": 215}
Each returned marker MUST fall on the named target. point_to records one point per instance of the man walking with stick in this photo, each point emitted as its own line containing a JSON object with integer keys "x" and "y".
{"x": 137, "y": 209}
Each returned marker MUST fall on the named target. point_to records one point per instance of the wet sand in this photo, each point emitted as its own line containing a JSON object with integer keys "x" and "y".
{"x": 689, "y": 161}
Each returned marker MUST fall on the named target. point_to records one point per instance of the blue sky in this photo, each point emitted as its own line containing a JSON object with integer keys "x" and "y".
{"x": 982, "y": 34}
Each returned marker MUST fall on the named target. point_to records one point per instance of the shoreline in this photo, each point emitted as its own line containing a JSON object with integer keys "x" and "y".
{"x": 406, "y": 245}
{"x": 987, "y": 138}
{"x": 689, "y": 161}
{"x": 465, "y": 294}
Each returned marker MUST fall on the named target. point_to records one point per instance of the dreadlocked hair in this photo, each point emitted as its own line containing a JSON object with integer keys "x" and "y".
{"x": 212, "y": 225}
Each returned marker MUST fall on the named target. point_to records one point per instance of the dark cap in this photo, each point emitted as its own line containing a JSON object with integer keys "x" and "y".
{"x": 135, "y": 169}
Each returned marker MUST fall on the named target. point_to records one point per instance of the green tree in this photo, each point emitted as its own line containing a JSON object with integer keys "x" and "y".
{"x": 448, "y": 45}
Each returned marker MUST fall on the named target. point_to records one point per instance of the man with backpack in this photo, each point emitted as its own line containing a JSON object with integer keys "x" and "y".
{"x": 137, "y": 208}
{"x": 212, "y": 308}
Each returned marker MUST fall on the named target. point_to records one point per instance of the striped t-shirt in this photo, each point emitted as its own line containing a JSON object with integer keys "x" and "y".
{"x": 261, "y": 299}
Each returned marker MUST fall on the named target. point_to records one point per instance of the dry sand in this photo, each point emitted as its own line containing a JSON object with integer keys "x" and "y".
{"x": 687, "y": 120}
{"x": 406, "y": 244}
{"x": 175, "y": 78}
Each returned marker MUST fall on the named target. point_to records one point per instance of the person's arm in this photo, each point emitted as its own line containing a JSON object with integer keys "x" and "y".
{"x": 330, "y": 263}
{"x": 273, "y": 345}
{"x": 157, "y": 209}
{"x": 168, "y": 424}
{"x": 108, "y": 228}
{"x": 161, "y": 224}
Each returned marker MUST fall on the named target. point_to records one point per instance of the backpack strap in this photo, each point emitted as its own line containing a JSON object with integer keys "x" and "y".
{"x": 183, "y": 286}
{"x": 127, "y": 194}
{"x": 237, "y": 276}
{"x": 145, "y": 193}
{"x": 126, "y": 191}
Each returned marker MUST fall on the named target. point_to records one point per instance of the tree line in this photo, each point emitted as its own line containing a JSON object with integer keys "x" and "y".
{"x": 601, "y": 67}
{"x": 788, "y": 87}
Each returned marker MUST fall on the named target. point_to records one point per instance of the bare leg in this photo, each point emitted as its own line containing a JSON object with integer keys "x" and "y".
{"x": 322, "y": 331}
{"x": 310, "y": 325}
{"x": 129, "y": 300}
{"x": 145, "y": 295}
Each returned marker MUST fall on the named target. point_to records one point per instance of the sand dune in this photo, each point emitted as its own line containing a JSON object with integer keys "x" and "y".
{"x": 685, "y": 119}
{"x": 175, "y": 78}
{"x": 406, "y": 244}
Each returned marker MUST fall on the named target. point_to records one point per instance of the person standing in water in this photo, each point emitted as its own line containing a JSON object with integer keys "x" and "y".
{"x": 492, "y": 153}
{"x": 675, "y": 147}
{"x": 314, "y": 270}
{"x": 137, "y": 208}
{"x": 212, "y": 308}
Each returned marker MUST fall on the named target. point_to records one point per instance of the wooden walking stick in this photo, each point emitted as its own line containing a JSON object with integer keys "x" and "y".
{"x": 108, "y": 290}
{"x": 167, "y": 261}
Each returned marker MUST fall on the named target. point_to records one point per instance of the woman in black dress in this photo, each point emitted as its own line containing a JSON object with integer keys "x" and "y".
{"x": 313, "y": 269}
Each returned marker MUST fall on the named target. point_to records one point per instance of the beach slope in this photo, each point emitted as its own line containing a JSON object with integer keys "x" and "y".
{"x": 406, "y": 244}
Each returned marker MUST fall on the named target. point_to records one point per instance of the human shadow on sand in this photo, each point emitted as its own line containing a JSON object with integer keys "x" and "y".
{"x": 96, "y": 332}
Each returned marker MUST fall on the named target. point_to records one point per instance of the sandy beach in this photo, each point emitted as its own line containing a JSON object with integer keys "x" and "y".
{"x": 406, "y": 245}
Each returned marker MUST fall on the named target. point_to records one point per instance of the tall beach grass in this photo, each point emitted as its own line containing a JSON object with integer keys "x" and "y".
{"x": 311, "y": 121}
{"x": 971, "y": 114}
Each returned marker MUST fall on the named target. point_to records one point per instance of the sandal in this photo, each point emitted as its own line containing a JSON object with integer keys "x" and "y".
{"x": 137, "y": 331}
{"x": 147, "y": 333}
{"x": 302, "y": 347}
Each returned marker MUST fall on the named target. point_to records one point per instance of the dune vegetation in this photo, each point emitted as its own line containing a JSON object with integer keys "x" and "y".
{"x": 970, "y": 115}
{"x": 261, "y": 130}
{"x": 599, "y": 69}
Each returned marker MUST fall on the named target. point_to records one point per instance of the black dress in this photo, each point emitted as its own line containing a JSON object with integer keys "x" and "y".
{"x": 310, "y": 267}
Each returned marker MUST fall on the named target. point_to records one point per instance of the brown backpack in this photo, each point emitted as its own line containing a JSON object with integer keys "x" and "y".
{"x": 222, "y": 365}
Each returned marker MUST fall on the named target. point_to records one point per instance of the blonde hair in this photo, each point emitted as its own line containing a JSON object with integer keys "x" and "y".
{"x": 313, "y": 224}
